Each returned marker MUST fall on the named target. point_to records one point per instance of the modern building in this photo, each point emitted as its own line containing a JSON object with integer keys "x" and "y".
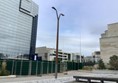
{"x": 96, "y": 56}
{"x": 109, "y": 42}
{"x": 49, "y": 54}
{"x": 76, "y": 57}
{"x": 88, "y": 59}
{"x": 18, "y": 27}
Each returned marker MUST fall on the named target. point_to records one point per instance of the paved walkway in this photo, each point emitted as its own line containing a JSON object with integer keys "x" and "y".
{"x": 50, "y": 78}
{"x": 61, "y": 77}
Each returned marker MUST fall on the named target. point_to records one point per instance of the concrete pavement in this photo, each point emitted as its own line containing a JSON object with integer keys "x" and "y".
{"x": 50, "y": 78}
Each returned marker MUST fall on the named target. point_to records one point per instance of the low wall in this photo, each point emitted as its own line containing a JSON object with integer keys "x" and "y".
{"x": 105, "y": 71}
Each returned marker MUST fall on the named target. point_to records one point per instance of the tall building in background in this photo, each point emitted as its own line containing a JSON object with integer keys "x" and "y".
{"x": 109, "y": 42}
{"x": 18, "y": 27}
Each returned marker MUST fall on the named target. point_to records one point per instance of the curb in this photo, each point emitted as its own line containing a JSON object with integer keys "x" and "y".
{"x": 10, "y": 76}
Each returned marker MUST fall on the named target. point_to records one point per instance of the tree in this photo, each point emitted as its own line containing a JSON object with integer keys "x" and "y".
{"x": 3, "y": 71}
{"x": 114, "y": 62}
{"x": 101, "y": 64}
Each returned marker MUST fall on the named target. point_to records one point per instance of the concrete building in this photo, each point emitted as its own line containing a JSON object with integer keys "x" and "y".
{"x": 88, "y": 59}
{"x": 76, "y": 57}
{"x": 18, "y": 27}
{"x": 96, "y": 56}
{"x": 49, "y": 54}
{"x": 109, "y": 42}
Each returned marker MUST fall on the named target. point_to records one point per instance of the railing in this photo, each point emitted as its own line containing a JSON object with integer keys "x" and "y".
{"x": 26, "y": 67}
{"x": 90, "y": 78}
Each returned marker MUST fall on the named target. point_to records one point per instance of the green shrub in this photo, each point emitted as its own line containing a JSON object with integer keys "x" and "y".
{"x": 101, "y": 65}
{"x": 87, "y": 68}
{"x": 3, "y": 71}
{"x": 113, "y": 62}
{"x": 90, "y": 63}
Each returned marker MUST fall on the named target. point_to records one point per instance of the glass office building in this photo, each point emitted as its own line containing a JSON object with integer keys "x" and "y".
{"x": 18, "y": 27}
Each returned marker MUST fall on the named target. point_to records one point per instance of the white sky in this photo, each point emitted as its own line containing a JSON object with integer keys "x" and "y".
{"x": 86, "y": 17}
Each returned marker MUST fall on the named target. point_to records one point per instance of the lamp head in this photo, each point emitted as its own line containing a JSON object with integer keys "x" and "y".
{"x": 62, "y": 14}
{"x": 54, "y": 8}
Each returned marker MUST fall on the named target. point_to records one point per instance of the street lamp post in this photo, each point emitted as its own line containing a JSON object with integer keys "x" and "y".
{"x": 57, "y": 39}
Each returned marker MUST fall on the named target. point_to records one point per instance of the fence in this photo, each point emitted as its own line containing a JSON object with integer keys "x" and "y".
{"x": 26, "y": 67}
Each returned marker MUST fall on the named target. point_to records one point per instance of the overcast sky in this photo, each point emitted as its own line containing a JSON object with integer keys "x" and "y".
{"x": 83, "y": 23}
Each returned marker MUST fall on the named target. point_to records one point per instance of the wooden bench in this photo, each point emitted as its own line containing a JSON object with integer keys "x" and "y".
{"x": 101, "y": 79}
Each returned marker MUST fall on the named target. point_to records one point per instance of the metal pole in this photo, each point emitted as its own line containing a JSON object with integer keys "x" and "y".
{"x": 56, "y": 65}
{"x": 80, "y": 48}
{"x": 12, "y": 67}
{"x": 30, "y": 67}
{"x": 57, "y": 39}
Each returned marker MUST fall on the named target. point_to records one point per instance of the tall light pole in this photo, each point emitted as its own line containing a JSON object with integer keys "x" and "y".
{"x": 57, "y": 39}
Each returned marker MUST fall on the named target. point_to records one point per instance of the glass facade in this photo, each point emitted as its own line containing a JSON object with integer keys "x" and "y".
{"x": 16, "y": 25}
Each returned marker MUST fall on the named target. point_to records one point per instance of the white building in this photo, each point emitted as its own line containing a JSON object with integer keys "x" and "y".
{"x": 88, "y": 59}
{"x": 76, "y": 57}
{"x": 96, "y": 56}
{"x": 18, "y": 27}
{"x": 49, "y": 54}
